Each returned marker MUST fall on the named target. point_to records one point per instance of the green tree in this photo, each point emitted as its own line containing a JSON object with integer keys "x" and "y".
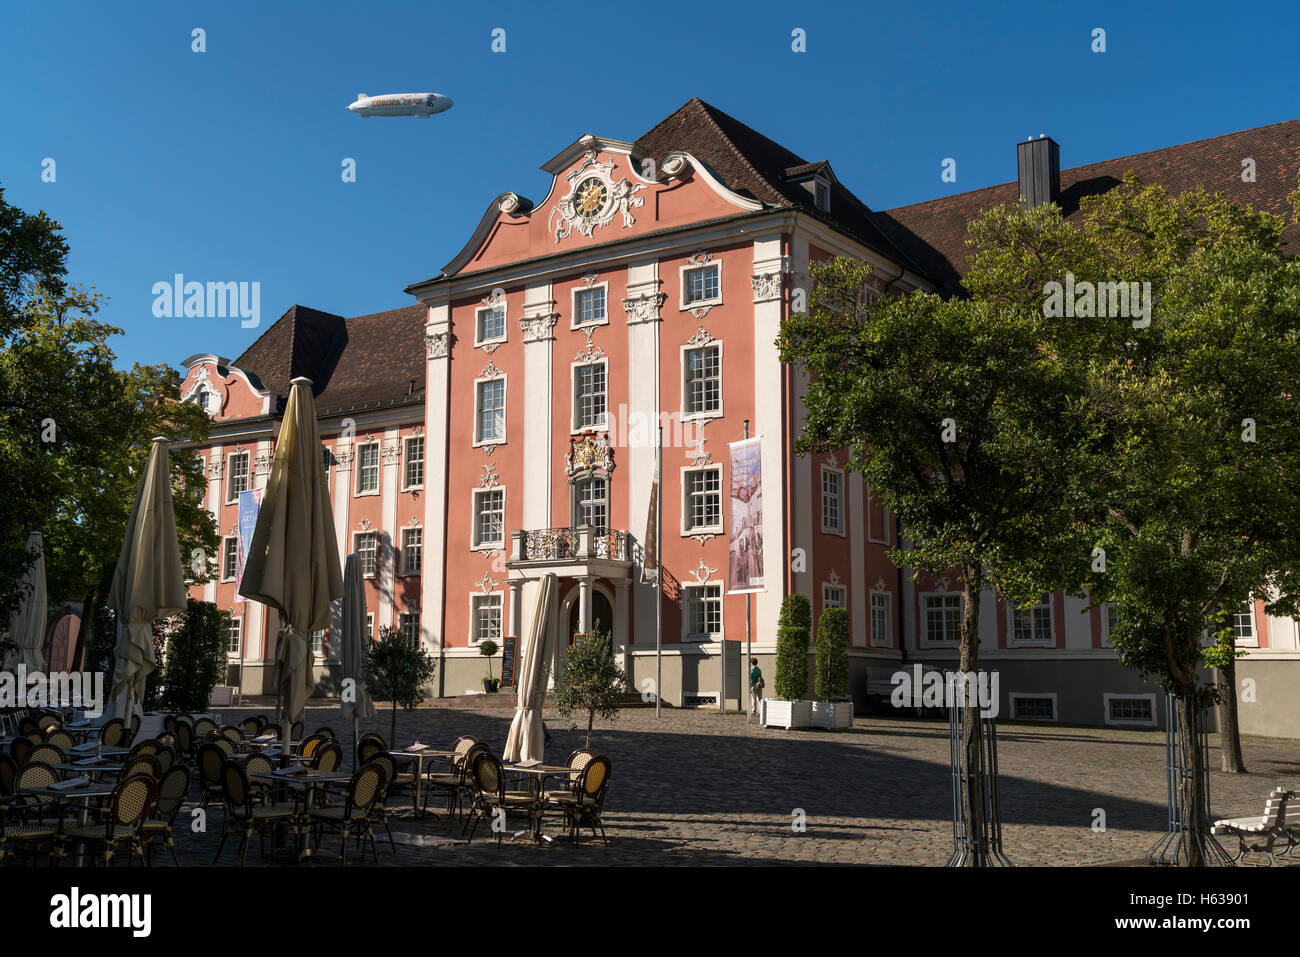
{"x": 1186, "y": 500}
{"x": 793, "y": 629}
{"x": 487, "y": 649}
{"x": 194, "y": 655}
{"x": 832, "y": 681}
{"x": 397, "y": 671}
{"x": 590, "y": 682}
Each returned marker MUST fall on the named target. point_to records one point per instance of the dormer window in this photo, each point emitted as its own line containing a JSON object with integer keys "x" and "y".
{"x": 821, "y": 194}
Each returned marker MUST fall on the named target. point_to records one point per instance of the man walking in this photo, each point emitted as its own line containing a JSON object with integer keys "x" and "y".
{"x": 755, "y": 686}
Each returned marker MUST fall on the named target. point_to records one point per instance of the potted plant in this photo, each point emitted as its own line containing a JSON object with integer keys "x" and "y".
{"x": 790, "y": 708}
{"x": 487, "y": 649}
{"x": 832, "y": 708}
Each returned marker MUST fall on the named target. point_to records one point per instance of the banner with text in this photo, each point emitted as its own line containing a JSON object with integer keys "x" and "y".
{"x": 745, "y": 571}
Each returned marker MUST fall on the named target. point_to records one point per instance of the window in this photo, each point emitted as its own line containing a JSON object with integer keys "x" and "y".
{"x": 364, "y": 544}
{"x": 589, "y": 386}
{"x": 1134, "y": 709}
{"x": 408, "y": 624}
{"x": 238, "y": 476}
{"x": 703, "y": 610}
{"x": 833, "y": 501}
{"x": 942, "y": 618}
{"x": 1109, "y": 621}
{"x": 368, "y": 468}
{"x": 1032, "y": 707}
{"x": 1033, "y": 623}
{"x": 229, "y": 558}
{"x": 821, "y": 195}
{"x": 233, "y": 636}
{"x": 1243, "y": 624}
{"x": 703, "y": 284}
{"x": 703, "y": 380}
{"x": 832, "y": 596}
{"x": 491, "y": 406}
{"x": 591, "y": 504}
{"x": 881, "y": 621}
{"x": 326, "y": 459}
{"x": 318, "y": 642}
{"x": 490, "y": 324}
{"x": 370, "y": 625}
{"x": 589, "y": 305}
{"x": 485, "y": 618}
{"x": 413, "y": 477}
{"x": 489, "y": 517}
{"x": 703, "y": 500}
{"x": 412, "y": 550}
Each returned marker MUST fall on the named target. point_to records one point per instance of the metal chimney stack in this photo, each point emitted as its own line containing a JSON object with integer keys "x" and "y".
{"x": 1039, "y": 164}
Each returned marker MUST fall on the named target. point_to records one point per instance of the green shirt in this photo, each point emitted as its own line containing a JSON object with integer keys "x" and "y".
{"x": 754, "y": 674}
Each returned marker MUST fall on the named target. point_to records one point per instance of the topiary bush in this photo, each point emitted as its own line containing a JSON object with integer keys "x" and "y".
{"x": 795, "y": 624}
{"x": 832, "y": 680}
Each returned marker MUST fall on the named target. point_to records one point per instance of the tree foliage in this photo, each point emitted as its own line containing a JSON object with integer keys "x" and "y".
{"x": 590, "y": 682}
{"x": 794, "y": 626}
{"x": 832, "y": 678}
{"x": 194, "y": 648}
{"x": 396, "y": 670}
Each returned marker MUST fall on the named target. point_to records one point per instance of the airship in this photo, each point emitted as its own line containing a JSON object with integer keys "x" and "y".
{"x": 422, "y": 105}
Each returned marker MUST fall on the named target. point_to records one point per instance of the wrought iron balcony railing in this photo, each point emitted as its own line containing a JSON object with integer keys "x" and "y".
{"x": 572, "y": 544}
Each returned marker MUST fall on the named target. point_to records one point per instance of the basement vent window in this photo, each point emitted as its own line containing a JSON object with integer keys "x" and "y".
{"x": 700, "y": 699}
{"x": 1033, "y": 707}
{"x": 1127, "y": 709}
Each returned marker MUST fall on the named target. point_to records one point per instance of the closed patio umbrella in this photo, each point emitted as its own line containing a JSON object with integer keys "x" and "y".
{"x": 354, "y": 644}
{"x": 27, "y": 624}
{"x": 148, "y": 582}
{"x": 293, "y": 559}
{"x": 524, "y": 742}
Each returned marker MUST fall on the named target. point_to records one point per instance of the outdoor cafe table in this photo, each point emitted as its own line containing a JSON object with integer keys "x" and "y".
{"x": 418, "y": 757}
{"x": 304, "y": 782}
{"x": 538, "y": 773}
{"x": 84, "y": 794}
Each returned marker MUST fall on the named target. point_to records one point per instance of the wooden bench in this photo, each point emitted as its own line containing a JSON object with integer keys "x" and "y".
{"x": 1265, "y": 829}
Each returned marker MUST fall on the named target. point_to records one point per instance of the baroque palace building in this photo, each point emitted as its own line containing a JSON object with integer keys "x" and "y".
{"x": 503, "y": 426}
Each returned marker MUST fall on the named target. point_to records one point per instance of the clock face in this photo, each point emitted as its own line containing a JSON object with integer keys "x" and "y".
{"x": 590, "y": 196}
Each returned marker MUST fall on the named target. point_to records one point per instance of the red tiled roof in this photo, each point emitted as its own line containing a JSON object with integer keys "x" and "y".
{"x": 934, "y": 232}
{"x": 363, "y": 362}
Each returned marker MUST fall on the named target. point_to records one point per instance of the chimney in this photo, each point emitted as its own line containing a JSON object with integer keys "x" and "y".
{"x": 1039, "y": 165}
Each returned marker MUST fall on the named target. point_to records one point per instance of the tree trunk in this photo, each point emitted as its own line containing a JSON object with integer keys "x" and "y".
{"x": 591, "y": 717}
{"x": 83, "y": 631}
{"x": 392, "y": 735}
{"x": 1193, "y": 794}
{"x": 1225, "y": 679}
{"x": 973, "y": 733}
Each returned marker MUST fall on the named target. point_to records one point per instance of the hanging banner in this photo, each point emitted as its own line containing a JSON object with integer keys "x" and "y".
{"x": 249, "y": 503}
{"x": 745, "y": 571}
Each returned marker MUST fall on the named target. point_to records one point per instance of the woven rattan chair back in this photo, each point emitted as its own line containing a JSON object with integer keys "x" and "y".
{"x": 366, "y": 786}
{"x": 48, "y": 722}
{"x": 172, "y": 790}
{"x": 45, "y": 754}
{"x": 386, "y": 762}
{"x": 273, "y": 729}
{"x": 224, "y": 744}
{"x": 578, "y": 760}
{"x": 27, "y": 725}
{"x": 231, "y": 733}
{"x": 169, "y": 722}
{"x": 328, "y": 757}
{"x": 60, "y": 739}
{"x": 486, "y": 772}
{"x": 296, "y": 730}
{"x": 110, "y": 735}
{"x": 35, "y": 776}
{"x": 184, "y": 737}
{"x": 258, "y": 764}
{"x": 203, "y": 726}
{"x": 141, "y": 764}
{"x": 369, "y": 748}
{"x": 147, "y": 746}
{"x": 35, "y": 737}
{"x": 166, "y": 758}
{"x": 462, "y": 746}
{"x": 310, "y": 743}
{"x": 211, "y": 758}
{"x": 234, "y": 785}
{"x": 250, "y": 726}
{"x": 595, "y": 778}
{"x": 19, "y": 748}
{"x": 8, "y": 774}
{"x": 133, "y": 800}
{"x": 374, "y": 736}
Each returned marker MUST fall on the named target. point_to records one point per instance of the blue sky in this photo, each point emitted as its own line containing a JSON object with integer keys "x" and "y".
{"x": 225, "y": 165}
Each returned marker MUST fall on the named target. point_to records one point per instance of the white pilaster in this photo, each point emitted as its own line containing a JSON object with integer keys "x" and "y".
{"x": 390, "y": 453}
{"x": 642, "y": 306}
{"x": 770, "y": 271}
{"x": 859, "y": 608}
{"x": 537, "y": 324}
{"x": 437, "y": 337}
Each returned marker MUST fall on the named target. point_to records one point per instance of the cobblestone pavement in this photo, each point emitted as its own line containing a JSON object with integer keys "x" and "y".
{"x": 700, "y": 788}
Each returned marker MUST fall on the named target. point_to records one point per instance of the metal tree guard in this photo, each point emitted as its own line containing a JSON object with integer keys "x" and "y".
{"x": 1181, "y": 751}
{"x": 985, "y": 848}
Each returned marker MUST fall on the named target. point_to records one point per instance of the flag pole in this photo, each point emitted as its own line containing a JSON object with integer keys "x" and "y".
{"x": 749, "y": 688}
{"x": 659, "y": 574}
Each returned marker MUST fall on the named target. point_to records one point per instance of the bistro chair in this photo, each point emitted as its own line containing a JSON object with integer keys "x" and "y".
{"x": 385, "y": 761}
{"x": 578, "y": 760}
{"x": 363, "y": 798}
{"x": 259, "y": 764}
{"x": 225, "y": 744}
{"x": 36, "y": 737}
{"x": 46, "y": 754}
{"x": 583, "y": 802}
{"x": 272, "y": 729}
{"x": 310, "y": 743}
{"x": 245, "y": 817}
{"x": 491, "y": 793}
{"x": 453, "y": 781}
{"x": 132, "y": 801}
{"x": 27, "y": 724}
{"x": 8, "y": 773}
{"x": 252, "y": 727}
{"x": 203, "y": 726}
{"x": 368, "y": 747}
{"x": 129, "y": 735}
{"x": 210, "y": 761}
{"x": 232, "y": 734}
{"x": 169, "y": 723}
{"x": 19, "y": 749}
{"x": 141, "y": 764}
{"x": 49, "y": 721}
{"x": 297, "y": 729}
{"x": 166, "y": 758}
{"x": 110, "y": 735}
{"x": 172, "y": 791}
{"x": 328, "y": 757}
{"x": 26, "y": 838}
{"x": 147, "y": 746}
{"x": 33, "y": 775}
{"x": 60, "y": 739}
{"x": 167, "y": 739}
{"x": 184, "y": 738}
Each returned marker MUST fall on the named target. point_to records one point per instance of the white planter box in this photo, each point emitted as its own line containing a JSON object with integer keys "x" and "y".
{"x": 786, "y": 714}
{"x": 832, "y": 715}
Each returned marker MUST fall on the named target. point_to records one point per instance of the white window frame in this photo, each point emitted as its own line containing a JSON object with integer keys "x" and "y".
{"x": 574, "y": 322}
{"x": 475, "y": 544}
{"x": 924, "y": 635}
{"x": 231, "y": 540}
{"x": 841, "y": 602}
{"x": 505, "y": 322}
{"x": 360, "y": 559}
{"x": 590, "y": 476}
{"x": 1106, "y": 699}
{"x": 703, "y": 637}
{"x": 574, "y": 427}
{"x": 474, "y": 599}
{"x": 685, "y": 384}
{"x": 379, "y": 469}
{"x": 688, "y": 531}
{"x": 479, "y": 441}
{"x": 1049, "y": 641}
{"x": 404, "y": 571}
{"x": 843, "y": 501}
{"x": 370, "y": 626}
{"x": 888, "y": 641}
{"x": 406, "y": 461}
{"x": 1253, "y": 640}
{"x": 684, "y": 285}
{"x": 1014, "y": 696}
{"x": 403, "y": 618}
{"x": 326, "y": 456}
{"x": 1105, "y": 608}
{"x": 232, "y": 496}
{"x": 237, "y": 626}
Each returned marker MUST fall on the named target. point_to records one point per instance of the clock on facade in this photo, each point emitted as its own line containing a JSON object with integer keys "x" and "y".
{"x": 590, "y": 197}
